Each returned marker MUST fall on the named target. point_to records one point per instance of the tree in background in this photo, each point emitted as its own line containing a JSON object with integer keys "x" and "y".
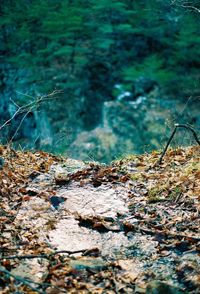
{"x": 59, "y": 41}
{"x": 87, "y": 47}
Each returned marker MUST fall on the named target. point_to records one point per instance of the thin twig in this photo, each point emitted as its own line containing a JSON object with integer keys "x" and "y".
{"x": 22, "y": 280}
{"x": 190, "y": 7}
{"x": 168, "y": 143}
{"x": 172, "y": 135}
{"x": 69, "y": 252}
{"x": 185, "y": 5}
{"x": 19, "y": 126}
{"x": 10, "y": 119}
{"x": 192, "y": 130}
{"x": 46, "y": 256}
{"x": 29, "y": 106}
{"x": 14, "y": 103}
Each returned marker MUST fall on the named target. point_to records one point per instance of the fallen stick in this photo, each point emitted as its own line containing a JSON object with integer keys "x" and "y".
{"x": 23, "y": 281}
{"x": 46, "y": 256}
{"x": 172, "y": 135}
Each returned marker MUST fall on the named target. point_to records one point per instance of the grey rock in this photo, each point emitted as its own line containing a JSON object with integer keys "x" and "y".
{"x": 159, "y": 287}
{"x": 1, "y": 163}
{"x": 88, "y": 263}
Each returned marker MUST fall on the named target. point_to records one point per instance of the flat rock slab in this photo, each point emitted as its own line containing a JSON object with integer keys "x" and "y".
{"x": 75, "y": 216}
{"x": 68, "y": 235}
{"x": 104, "y": 201}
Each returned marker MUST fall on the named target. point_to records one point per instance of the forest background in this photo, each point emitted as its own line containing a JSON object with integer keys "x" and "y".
{"x": 122, "y": 73}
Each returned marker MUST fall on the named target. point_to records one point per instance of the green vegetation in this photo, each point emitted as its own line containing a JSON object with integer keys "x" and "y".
{"x": 82, "y": 46}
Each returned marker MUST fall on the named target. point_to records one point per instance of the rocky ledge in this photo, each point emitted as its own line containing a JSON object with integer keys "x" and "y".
{"x": 69, "y": 226}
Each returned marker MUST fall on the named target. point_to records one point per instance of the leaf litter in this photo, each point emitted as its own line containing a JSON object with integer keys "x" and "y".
{"x": 74, "y": 227}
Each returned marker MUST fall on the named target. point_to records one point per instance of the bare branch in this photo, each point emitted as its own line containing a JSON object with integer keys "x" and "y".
{"x": 24, "y": 281}
{"x": 172, "y": 135}
{"x": 26, "y": 109}
{"x": 45, "y": 256}
{"x": 191, "y": 7}
{"x": 14, "y": 103}
{"x": 19, "y": 126}
{"x": 185, "y": 5}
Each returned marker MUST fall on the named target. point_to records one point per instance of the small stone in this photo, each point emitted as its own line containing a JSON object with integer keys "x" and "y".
{"x": 1, "y": 163}
{"x": 56, "y": 201}
{"x": 159, "y": 287}
{"x": 88, "y": 263}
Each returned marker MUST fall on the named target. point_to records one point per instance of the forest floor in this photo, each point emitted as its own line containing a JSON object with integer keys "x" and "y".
{"x": 74, "y": 227}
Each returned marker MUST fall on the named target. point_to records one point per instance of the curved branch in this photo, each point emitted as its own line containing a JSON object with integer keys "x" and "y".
{"x": 22, "y": 280}
{"x": 172, "y": 135}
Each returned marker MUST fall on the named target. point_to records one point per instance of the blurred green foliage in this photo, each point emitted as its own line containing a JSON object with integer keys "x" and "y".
{"x": 84, "y": 46}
